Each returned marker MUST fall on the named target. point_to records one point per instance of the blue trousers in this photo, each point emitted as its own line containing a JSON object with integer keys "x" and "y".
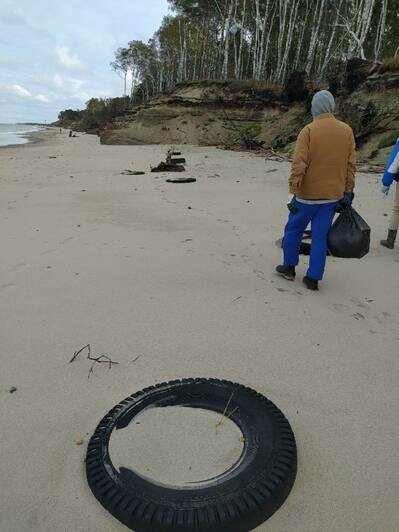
{"x": 320, "y": 216}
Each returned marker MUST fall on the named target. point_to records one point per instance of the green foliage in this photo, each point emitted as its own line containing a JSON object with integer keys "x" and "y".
{"x": 69, "y": 115}
{"x": 98, "y": 112}
{"x": 388, "y": 140}
{"x": 253, "y": 130}
{"x": 248, "y": 133}
{"x": 391, "y": 64}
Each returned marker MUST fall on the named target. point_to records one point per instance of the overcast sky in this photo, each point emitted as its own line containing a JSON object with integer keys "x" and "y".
{"x": 55, "y": 54}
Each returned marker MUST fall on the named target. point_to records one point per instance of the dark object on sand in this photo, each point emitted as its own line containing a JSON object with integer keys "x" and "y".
{"x": 305, "y": 244}
{"x": 170, "y": 164}
{"x": 182, "y": 180}
{"x": 165, "y": 167}
{"x": 241, "y": 498}
{"x": 349, "y": 236}
{"x": 132, "y": 172}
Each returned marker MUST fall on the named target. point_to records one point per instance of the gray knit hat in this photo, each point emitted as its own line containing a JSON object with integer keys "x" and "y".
{"x": 323, "y": 102}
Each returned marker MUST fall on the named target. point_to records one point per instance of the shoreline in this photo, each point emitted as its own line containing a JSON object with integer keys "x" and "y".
{"x": 33, "y": 137}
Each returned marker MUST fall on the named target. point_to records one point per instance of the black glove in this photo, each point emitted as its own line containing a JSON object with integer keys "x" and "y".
{"x": 345, "y": 202}
{"x": 292, "y": 206}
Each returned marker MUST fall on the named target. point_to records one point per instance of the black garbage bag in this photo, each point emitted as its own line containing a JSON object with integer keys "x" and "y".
{"x": 349, "y": 236}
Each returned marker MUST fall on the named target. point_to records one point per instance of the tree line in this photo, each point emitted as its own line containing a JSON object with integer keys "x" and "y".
{"x": 257, "y": 39}
{"x": 98, "y": 112}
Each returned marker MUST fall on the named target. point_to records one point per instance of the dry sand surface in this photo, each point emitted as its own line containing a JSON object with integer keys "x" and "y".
{"x": 181, "y": 276}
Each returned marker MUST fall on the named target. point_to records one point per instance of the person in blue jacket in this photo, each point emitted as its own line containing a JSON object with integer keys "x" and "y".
{"x": 391, "y": 174}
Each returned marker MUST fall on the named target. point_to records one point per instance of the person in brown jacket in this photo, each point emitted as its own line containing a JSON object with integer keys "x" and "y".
{"x": 322, "y": 182}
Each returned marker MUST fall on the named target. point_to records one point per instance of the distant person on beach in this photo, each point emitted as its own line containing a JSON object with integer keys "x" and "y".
{"x": 321, "y": 182}
{"x": 70, "y": 132}
{"x": 60, "y": 130}
{"x": 391, "y": 174}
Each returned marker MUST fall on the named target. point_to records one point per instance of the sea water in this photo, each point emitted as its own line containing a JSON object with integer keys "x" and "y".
{"x": 11, "y": 133}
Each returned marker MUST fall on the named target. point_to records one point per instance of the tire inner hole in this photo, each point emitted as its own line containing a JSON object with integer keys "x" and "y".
{"x": 177, "y": 446}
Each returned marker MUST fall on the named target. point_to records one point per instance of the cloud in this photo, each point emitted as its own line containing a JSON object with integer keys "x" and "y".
{"x": 50, "y": 61}
{"x": 82, "y": 96}
{"x": 58, "y": 81}
{"x": 68, "y": 60}
{"x": 41, "y": 98}
{"x": 13, "y": 19}
{"x": 21, "y": 92}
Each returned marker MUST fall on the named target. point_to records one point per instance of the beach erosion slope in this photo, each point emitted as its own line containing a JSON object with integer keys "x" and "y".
{"x": 210, "y": 113}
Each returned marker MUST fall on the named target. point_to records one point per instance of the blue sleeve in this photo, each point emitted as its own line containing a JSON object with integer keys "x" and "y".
{"x": 392, "y": 169}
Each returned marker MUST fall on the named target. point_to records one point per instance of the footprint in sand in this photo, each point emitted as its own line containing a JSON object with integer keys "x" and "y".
{"x": 47, "y": 251}
{"x": 66, "y": 239}
{"x": 340, "y": 306}
{"x": 8, "y": 286}
{"x": 19, "y": 266}
{"x": 259, "y": 274}
{"x": 358, "y": 302}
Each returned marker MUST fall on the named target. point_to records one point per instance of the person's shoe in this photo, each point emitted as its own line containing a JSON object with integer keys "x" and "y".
{"x": 390, "y": 241}
{"x": 288, "y": 272}
{"x": 311, "y": 284}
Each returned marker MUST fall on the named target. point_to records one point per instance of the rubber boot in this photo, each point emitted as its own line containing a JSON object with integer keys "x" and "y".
{"x": 288, "y": 272}
{"x": 311, "y": 284}
{"x": 390, "y": 241}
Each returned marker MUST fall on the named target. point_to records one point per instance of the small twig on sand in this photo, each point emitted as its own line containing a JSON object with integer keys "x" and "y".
{"x": 76, "y": 353}
{"x": 225, "y": 415}
{"x": 237, "y": 298}
{"x": 102, "y": 359}
{"x": 135, "y": 359}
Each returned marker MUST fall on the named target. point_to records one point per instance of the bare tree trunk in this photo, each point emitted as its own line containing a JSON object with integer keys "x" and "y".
{"x": 327, "y": 57}
{"x": 380, "y": 29}
{"x": 291, "y": 25}
{"x": 315, "y": 35}
{"x": 227, "y": 41}
{"x": 366, "y": 21}
{"x": 242, "y": 35}
{"x": 281, "y": 35}
{"x": 262, "y": 41}
{"x": 300, "y": 41}
{"x": 358, "y": 28}
{"x": 256, "y": 42}
{"x": 269, "y": 33}
{"x": 180, "y": 67}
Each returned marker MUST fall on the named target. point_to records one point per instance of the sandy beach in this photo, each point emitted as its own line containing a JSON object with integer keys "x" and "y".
{"x": 177, "y": 281}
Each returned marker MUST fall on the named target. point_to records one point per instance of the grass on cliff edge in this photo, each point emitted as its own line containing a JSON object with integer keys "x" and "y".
{"x": 250, "y": 132}
{"x": 236, "y": 84}
{"x": 388, "y": 140}
{"x": 390, "y": 65}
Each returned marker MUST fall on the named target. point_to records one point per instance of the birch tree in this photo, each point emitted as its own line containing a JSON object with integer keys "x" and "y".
{"x": 258, "y": 39}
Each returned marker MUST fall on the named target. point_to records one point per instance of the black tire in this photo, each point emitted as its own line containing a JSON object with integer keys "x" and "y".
{"x": 182, "y": 180}
{"x": 236, "y": 501}
{"x": 306, "y": 244}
